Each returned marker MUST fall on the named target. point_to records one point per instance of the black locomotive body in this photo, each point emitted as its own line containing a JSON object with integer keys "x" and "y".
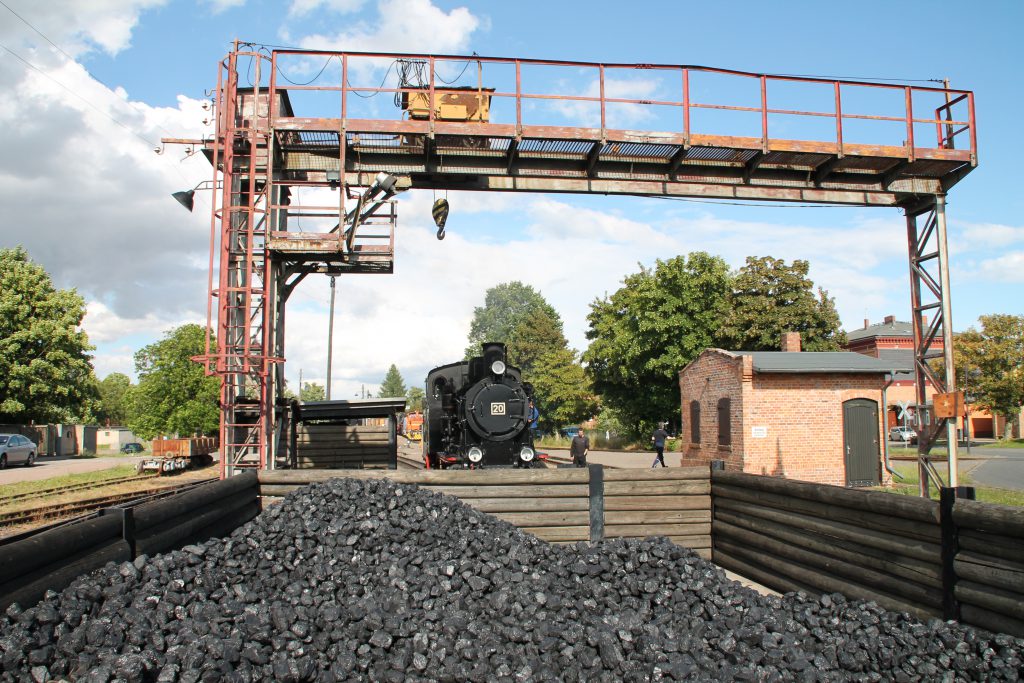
{"x": 477, "y": 414}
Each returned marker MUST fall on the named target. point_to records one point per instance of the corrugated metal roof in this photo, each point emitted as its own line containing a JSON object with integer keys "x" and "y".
{"x": 820, "y": 361}
{"x": 897, "y": 328}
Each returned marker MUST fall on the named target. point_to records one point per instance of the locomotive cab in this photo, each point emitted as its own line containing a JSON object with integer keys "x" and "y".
{"x": 477, "y": 414}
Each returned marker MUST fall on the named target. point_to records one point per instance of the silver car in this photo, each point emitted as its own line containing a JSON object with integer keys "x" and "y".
{"x": 16, "y": 449}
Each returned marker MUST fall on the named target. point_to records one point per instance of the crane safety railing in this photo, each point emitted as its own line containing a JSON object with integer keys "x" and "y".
{"x": 949, "y": 130}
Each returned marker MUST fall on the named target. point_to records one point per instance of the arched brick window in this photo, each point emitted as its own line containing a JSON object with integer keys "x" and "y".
{"x": 724, "y": 422}
{"x": 694, "y": 421}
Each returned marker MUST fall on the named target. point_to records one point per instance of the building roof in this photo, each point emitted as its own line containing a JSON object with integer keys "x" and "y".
{"x": 896, "y": 328}
{"x": 901, "y": 358}
{"x": 823, "y": 361}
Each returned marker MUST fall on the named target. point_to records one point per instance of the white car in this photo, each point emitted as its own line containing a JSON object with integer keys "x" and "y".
{"x": 904, "y": 434}
{"x": 16, "y": 449}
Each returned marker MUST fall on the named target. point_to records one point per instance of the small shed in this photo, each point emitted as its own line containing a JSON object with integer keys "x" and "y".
{"x": 356, "y": 434}
{"x": 811, "y": 416}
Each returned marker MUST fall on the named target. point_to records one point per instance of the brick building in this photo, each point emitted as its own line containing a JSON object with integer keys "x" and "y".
{"x": 893, "y": 341}
{"x": 812, "y": 416}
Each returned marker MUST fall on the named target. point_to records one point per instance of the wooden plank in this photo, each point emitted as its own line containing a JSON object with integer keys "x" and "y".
{"x": 658, "y": 503}
{"x": 703, "y": 553}
{"x": 918, "y": 571}
{"x": 1005, "y": 520}
{"x": 915, "y": 548}
{"x": 755, "y": 571}
{"x": 647, "y": 530}
{"x": 656, "y": 488}
{"x": 893, "y": 525}
{"x": 486, "y": 477}
{"x": 990, "y": 621}
{"x": 995, "y": 545}
{"x": 538, "y": 519}
{"x": 1007, "y": 603}
{"x": 657, "y": 517}
{"x": 560, "y": 533}
{"x": 528, "y": 504}
{"x": 527, "y": 491}
{"x": 903, "y": 507}
{"x": 692, "y": 542}
{"x": 818, "y": 580}
{"x": 771, "y": 547}
{"x": 989, "y": 571}
{"x": 659, "y": 474}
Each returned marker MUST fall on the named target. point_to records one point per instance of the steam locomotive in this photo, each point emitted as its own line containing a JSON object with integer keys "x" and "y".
{"x": 477, "y": 414}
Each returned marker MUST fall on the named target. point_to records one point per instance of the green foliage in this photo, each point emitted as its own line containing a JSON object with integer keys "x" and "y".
{"x": 561, "y": 390}
{"x": 174, "y": 395}
{"x": 505, "y": 307}
{"x": 993, "y": 360}
{"x": 45, "y": 369}
{"x": 393, "y": 384}
{"x": 643, "y": 334}
{"x": 113, "y": 403}
{"x": 769, "y": 298}
{"x": 537, "y": 334}
{"x": 311, "y": 391}
{"x": 414, "y": 399}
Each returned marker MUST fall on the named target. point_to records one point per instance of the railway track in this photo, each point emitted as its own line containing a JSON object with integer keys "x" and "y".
{"x": 74, "y": 488}
{"x": 47, "y": 512}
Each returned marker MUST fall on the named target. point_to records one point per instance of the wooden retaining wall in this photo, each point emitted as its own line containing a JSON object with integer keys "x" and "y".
{"x": 333, "y": 446}
{"x": 561, "y": 505}
{"x": 989, "y": 565}
{"x": 791, "y": 535}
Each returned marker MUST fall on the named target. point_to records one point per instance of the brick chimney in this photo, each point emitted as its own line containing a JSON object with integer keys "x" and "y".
{"x": 791, "y": 341}
{"x": 890, "y": 319}
{"x": 866, "y": 323}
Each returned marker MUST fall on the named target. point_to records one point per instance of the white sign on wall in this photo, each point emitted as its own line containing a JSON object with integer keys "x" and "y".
{"x": 759, "y": 432}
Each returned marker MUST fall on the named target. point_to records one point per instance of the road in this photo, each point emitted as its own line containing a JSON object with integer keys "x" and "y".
{"x": 1001, "y": 467}
{"x": 57, "y": 466}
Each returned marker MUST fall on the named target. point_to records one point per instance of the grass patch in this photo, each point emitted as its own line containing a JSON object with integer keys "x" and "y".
{"x": 65, "y": 480}
{"x": 1007, "y": 443}
{"x": 986, "y": 494}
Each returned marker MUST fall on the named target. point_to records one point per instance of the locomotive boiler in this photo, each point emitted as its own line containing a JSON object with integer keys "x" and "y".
{"x": 477, "y": 414}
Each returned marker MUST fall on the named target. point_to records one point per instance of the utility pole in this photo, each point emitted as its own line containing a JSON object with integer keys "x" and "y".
{"x": 300, "y": 385}
{"x": 330, "y": 341}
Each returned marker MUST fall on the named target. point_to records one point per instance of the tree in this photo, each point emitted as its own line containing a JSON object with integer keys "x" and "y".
{"x": 561, "y": 391}
{"x": 643, "y": 334}
{"x": 769, "y": 298}
{"x": 414, "y": 399}
{"x": 537, "y": 334}
{"x": 174, "y": 395}
{"x": 45, "y": 368}
{"x": 505, "y": 306}
{"x": 393, "y": 384}
{"x": 113, "y": 402}
{"x": 994, "y": 359}
{"x": 311, "y": 391}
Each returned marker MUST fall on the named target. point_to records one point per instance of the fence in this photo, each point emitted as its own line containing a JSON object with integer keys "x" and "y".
{"x": 951, "y": 559}
{"x": 561, "y": 505}
{"x": 52, "y": 559}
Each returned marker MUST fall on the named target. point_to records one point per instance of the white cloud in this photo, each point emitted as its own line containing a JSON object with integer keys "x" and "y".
{"x": 1006, "y": 268}
{"x": 300, "y": 8}
{"x": 617, "y": 114}
{"x": 975, "y": 235}
{"x": 77, "y": 26}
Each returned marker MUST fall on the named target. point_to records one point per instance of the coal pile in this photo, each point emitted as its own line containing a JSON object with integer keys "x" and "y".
{"x": 369, "y": 580}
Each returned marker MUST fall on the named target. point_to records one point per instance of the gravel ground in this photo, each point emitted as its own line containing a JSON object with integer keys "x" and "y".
{"x": 372, "y": 580}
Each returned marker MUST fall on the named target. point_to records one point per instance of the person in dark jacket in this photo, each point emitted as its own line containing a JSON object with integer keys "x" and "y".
{"x": 579, "y": 448}
{"x": 658, "y": 438}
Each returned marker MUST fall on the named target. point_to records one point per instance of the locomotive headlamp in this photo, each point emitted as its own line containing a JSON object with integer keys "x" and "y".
{"x": 498, "y": 367}
{"x": 526, "y": 454}
{"x": 475, "y": 454}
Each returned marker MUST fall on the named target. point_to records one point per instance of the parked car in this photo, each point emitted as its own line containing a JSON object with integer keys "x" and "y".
{"x": 904, "y": 434}
{"x": 133, "y": 447}
{"x": 16, "y": 449}
{"x": 570, "y": 432}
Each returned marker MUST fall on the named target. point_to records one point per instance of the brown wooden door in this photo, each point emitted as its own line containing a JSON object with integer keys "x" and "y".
{"x": 860, "y": 442}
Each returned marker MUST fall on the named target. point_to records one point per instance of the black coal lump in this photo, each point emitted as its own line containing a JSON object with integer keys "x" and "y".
{"x": 368, "y": 580}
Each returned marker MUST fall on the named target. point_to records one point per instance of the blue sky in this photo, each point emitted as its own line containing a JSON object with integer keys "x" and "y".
{"x": 85, "y": 194}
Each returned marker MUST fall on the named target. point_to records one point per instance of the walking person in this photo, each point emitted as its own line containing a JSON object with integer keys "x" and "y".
{"x": 658, "y": 438}
{"x": 579, "y": 448}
